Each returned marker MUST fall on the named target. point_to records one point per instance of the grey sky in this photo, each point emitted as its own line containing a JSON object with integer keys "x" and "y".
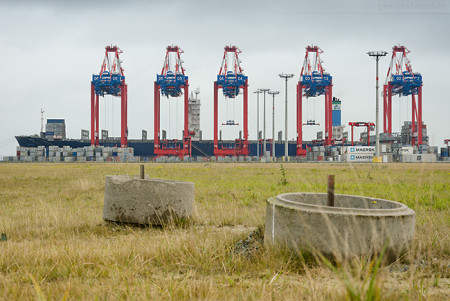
{"x": 50, "y": 49}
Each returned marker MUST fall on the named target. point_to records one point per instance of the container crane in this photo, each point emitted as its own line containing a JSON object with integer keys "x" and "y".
{"x": 231, "y": 80}
{"x": 369, "y": 125}
{"x": 170, "y": 83}
{"x": 401, "y": 80}
{"x": 313, "y": 82}
{"x": 110, "y": 81}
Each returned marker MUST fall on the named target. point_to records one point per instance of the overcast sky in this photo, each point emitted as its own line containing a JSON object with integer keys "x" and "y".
{"x": 50, "y": 49}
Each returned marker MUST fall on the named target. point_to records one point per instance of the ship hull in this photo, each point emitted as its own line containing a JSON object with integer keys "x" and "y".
{"x": 204, "y": 148}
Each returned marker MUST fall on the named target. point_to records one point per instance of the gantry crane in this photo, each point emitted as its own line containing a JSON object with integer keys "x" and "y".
{"x": 110, "y": 81}
{"x": 170, "y": 83}
{"x": 314, "y": 82}
{"x": 401, "y": 80}
{"x": 369, "y": 125}
{"x": 231, "y": 80}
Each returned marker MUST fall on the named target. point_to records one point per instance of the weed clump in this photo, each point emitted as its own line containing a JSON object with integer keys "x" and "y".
{"x": 251, "y": 245}
{"x": 283, "y": 181}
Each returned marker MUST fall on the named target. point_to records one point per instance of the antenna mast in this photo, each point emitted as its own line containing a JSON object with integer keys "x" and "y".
{"x": 197, "y": 92}
{"x": 42, "y": 120}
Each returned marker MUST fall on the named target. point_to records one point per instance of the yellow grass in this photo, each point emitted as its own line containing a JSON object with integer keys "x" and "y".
{"x": 59, "y": 247}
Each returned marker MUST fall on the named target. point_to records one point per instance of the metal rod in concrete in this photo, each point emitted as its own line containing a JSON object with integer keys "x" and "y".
{"x": 142, "y": 171}
{"x": 286, "y": 77}
{"x": 330, "y": 200}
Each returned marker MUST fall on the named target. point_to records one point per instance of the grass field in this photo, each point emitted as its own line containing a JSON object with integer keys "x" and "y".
{"x": 58, "y": 247}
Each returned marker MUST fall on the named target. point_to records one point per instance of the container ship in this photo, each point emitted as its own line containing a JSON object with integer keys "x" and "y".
{"x": 55, "y": 136}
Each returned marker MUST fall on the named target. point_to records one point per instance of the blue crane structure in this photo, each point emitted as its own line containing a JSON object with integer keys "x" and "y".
{"x": 231, "y": 80}
{"x": 172, "y": 82}
{"x": 402, "y": 81}
{"x": 313, "y": 82}
{"x": 110, "y": 81}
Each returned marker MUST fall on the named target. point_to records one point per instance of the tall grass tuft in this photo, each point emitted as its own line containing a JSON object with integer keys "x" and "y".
{"x": 282, "y": 181}
{"x": 52, "y": 214}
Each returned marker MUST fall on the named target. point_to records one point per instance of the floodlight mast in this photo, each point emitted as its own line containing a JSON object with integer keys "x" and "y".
{"x": 286, "y": 150}
{"x": 273, "y": 93}
{"x": 257, "y": 122}
{"x": 377, "y": 55}
{"x": 264, "y": 126}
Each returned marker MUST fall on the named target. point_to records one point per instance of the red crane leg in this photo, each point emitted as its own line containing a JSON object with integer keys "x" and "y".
{"x": 368, "y": 135}
{"x": 384, "y": 108}
{"x": 389, "y": 104}
{"x": 330, "y": 114}
{"x": 216, "y": 112}
{"x": 92, "y": 115}
{"x": 299, "y": 119}
{"x": 419, "y": 116}
{"x": 126, "y": 115}
{"x": 97, "y": 120}
{"x": 245, "y": 150}
{"x": 413, "y": 120}
{"x": 156, "y": 117}
{"x": 122, "y": 116}
{"x": 352, "y": 135}
{"x": 326, "y": 118}
{"x": 186, "y": 121}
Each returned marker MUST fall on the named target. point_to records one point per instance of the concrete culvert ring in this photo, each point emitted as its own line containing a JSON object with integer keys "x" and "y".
{"x": 356, "y": 225}
{"x": 147, "y": 201}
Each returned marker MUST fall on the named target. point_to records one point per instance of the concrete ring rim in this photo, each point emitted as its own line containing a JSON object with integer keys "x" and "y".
{"x": 280, "y": 200}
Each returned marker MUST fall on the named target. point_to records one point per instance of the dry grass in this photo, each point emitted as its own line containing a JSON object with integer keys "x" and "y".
{"x": 59, "y": 247}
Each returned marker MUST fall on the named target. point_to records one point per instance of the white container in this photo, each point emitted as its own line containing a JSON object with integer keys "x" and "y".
{"x": 359, "y": 157}
{"x": 387, "y": 158}
{"x": 407, "y": 150}
{"x": 359, "y": 149}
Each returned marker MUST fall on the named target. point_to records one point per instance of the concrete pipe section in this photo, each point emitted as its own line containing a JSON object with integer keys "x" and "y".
{"x": 147, "y": 201}
{"x": 356, "y": 226}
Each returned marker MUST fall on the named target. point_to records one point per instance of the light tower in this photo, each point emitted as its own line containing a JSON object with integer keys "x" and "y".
{"x": 257, "y": 121}
{"x": 377, "y": 55}
{"x": 264, "y": 123}
{"x": 273, "y": 93}
{"x": 286, "y": 77}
